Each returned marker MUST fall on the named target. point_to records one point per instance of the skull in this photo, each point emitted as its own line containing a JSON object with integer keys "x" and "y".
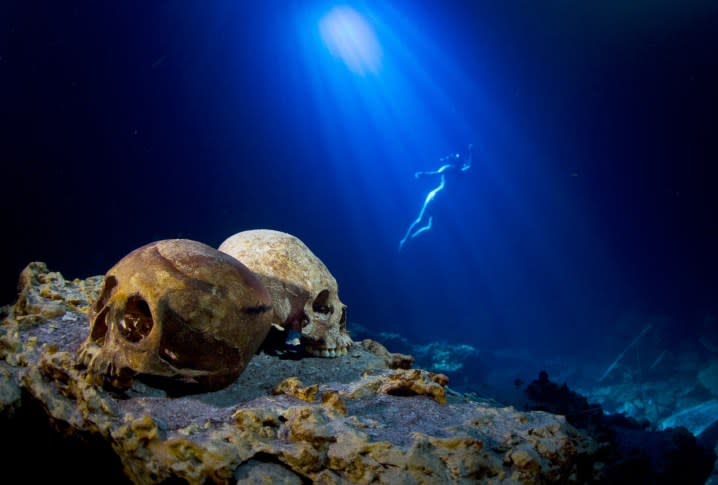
{"x": 302, "y": 288}
{"x": 178, "y": 311}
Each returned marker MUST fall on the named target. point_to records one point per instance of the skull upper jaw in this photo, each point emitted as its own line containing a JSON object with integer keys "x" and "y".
{"x": 325, "y": 334}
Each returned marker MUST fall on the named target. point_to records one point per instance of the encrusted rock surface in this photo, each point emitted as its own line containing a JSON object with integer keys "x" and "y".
{"x": 360, "y": 418}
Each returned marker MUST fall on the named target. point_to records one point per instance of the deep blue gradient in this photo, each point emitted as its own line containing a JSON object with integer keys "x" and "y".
{"x": 592, "y": 193}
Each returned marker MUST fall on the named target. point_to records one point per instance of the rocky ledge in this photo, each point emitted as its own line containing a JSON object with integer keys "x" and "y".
{"x": 366, "y": 417}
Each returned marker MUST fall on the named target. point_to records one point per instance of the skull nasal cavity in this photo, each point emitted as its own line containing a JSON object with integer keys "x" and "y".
{"x": 136, "y": 322}
{"x": 320, "y": 304}
{"x": 107, "y": 289}
{"x": 99, "y": 327}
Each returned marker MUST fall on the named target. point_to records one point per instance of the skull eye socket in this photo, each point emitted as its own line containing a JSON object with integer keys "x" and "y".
{"x": 136, "y": 323}
{"x": 320, "y": 304}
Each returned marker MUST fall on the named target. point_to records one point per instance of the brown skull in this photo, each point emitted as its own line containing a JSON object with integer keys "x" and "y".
{"x": 176, "y": 309}
{"x": 302, "y": 288}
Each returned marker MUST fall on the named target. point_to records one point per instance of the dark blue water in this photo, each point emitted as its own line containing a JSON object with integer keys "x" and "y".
{"x": 589, "y": 208}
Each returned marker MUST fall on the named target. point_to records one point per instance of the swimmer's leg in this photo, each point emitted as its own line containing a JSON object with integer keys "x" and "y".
{"x": 429, "y": 197}
{"x": 408, "y": 233}
{"x": 422, "y": 229}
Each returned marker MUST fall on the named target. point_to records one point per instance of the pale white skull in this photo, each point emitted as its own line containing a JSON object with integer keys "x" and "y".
{"x": 179, "y": 311}
{"x": 302, "y": 288}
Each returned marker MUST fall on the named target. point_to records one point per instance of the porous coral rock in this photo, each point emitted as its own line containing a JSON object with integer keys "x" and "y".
{"x": 44, "y": 294}
{"x": 370, "y": 424}
{"x": 293, "y": 387}
{"x": 255, "y": 472}
{"x": 391, "y": 359}
{"x": 414, "y": 382}
{"x": 9, "y": 392}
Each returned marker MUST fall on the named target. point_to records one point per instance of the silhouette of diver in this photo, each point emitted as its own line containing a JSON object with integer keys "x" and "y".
{"x": 450, "y": 166}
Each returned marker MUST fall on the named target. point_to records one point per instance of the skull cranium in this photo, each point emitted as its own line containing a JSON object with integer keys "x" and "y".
{"x": 302, "y": 288}
{"x": 176, "y": 309}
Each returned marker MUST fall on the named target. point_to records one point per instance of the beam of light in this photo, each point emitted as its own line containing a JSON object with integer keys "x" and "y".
{"x": 349, "y": 37}
{"x": 438, "y": 85}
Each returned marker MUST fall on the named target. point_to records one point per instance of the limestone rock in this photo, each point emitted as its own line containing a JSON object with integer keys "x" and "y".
{"x": 44, "y": 294}
{"x": 9, "y": 392}
{"x": 351, "y": 419}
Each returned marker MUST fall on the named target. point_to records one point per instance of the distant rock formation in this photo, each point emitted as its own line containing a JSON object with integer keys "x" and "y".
{"x": 634, "y": 453}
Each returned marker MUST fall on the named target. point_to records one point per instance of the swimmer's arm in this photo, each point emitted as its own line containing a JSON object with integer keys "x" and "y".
{"x": 439, "y": 171}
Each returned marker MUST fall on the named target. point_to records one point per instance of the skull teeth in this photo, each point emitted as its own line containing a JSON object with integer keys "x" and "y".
{"x": 327, "y": 352}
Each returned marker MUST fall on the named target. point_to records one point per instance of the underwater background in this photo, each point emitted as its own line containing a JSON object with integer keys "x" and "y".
{"x": 585, "y": 227}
